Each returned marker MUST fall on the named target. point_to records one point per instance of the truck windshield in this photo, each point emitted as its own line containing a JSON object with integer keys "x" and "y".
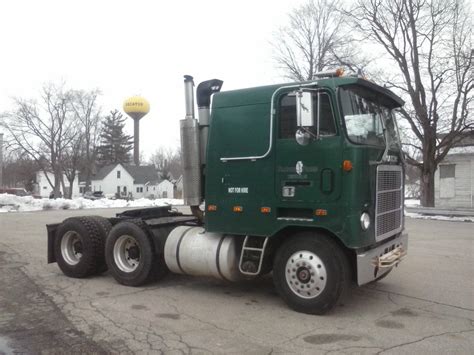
{"x": 366, "y": 115}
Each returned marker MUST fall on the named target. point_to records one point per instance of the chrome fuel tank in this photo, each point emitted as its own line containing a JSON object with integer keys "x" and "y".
{"x": 192, "y": 251}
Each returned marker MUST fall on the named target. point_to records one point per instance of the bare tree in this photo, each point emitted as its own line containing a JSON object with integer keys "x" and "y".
{"x": 168, "y": 162}
{"x": 19, "y": 171}
{"x": 87, "y": 112}
{"x": 430, "y": 42}
{"x": 73, "y": 158}
{"x": 43, "y": 130}
{"x": 315, "y": 39}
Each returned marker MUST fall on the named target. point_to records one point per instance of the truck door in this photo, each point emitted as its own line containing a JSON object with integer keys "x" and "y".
{"x": 307, "y": 175}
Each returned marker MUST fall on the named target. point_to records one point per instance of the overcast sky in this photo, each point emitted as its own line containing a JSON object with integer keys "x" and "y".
{"x": 139, "y": 47}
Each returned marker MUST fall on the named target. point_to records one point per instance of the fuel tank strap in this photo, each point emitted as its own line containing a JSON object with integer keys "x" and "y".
{"x": 218, "y": 264}
{"x": 177, "y": 249}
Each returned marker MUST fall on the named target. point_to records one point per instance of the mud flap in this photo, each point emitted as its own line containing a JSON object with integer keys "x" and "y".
{"x": 51, "y": 228}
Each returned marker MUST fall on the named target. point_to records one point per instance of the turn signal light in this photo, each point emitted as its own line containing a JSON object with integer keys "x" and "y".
{"x": 347, "y": 165}
{"x": 321, "y": 212}
{"x": 238, "y": 209}
{"x": 212, "y": 208}
{"x": 265, "y": 209}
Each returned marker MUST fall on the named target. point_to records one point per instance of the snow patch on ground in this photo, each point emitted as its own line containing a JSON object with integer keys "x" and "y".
{"x": 412, "y": 203}
{"x": 416, "y": 203}
{"x": 12, "y": 203}
{"x": 439, "y": 217}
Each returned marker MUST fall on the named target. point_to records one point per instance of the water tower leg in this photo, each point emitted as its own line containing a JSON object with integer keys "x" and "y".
{"x": 136, "y": 139}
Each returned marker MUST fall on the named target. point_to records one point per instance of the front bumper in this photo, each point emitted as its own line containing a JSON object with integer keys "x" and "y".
{"x": 373, "y": 263}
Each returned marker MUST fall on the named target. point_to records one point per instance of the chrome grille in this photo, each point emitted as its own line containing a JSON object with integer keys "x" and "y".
{"x": 389, "y": 201}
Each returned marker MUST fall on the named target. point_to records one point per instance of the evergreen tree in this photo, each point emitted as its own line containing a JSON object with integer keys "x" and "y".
{"x": 115, "y": 145}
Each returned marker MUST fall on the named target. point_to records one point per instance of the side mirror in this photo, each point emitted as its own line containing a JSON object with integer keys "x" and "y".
{"x": 304, "y": 109}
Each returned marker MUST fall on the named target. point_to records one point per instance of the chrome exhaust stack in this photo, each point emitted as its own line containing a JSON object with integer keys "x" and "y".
{"x": 190, "y": 149}
{"x": 194, "y": 137}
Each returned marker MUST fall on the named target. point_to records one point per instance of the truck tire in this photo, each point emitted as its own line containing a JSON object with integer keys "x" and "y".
{"x": 131, "y": 256}
{"x": 104, "y": 226}
{"x": 311, "y": 273}
{"x": 79, "y": 247}
{"x": 103, "y": 223}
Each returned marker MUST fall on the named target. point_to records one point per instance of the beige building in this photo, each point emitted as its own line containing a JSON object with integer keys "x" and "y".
{"x": 454, "y": 179}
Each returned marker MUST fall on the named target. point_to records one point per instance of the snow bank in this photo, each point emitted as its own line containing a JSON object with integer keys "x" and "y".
{"x": 412, "y": 203}
{"x": 416, "y": 203}
{"x": 12, "y": 203}
{"x": 439, "y": 217}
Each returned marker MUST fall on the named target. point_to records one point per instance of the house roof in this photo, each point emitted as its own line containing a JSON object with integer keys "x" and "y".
{"x": 461, "y": 150}
{"x": 104, "y": 171}
{"x": 141, "y": 174}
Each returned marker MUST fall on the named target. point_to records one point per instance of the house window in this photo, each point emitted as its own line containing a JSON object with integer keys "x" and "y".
{"x": 125, "y": 189}
{"x": 139, "y": 189}
{"x": 447, "y": 181}
{"x": 118, "y": 190}
{"x": 447, "y": 171}
{"x": 118, "y": 174}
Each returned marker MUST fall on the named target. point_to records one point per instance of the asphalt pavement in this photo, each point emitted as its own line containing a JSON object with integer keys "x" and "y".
{"x": 426, "y": 305}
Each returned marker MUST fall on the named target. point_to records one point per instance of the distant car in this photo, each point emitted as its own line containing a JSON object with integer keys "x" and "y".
{"x": 14, "y": 191}
{"x": 93, "y": 195}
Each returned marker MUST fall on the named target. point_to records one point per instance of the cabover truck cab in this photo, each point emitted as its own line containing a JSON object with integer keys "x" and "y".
{"x": 304, "y": 180}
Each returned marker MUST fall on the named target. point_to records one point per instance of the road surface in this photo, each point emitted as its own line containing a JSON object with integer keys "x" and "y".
{"x": 424, "y": 306}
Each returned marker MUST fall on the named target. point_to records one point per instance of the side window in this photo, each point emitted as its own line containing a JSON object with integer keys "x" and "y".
{"x": 288, "y": 116}
{"x": 288, "y": 125}
{"x": 326, "y": 116}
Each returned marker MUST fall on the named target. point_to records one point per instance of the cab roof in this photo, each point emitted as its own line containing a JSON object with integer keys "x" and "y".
{"x": 263, "y": 94}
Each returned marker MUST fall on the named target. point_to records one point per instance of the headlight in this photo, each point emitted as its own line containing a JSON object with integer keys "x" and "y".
{"x": 365, "y": 221}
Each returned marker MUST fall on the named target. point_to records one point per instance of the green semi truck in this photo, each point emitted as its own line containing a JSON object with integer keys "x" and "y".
{"x": 302, "y": 180}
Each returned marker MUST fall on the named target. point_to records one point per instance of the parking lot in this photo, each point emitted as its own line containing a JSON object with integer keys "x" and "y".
{"x": 424, "y": 306}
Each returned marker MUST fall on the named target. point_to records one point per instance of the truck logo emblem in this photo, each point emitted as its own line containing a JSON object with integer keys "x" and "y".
{"x": 299, "y": 167}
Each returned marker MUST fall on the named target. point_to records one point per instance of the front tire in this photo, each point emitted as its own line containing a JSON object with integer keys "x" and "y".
{"x": 130, "y": 255}
{"x": 311, "y": 273}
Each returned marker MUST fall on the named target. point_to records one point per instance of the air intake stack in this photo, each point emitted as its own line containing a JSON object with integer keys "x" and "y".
{"x": 203, "y": 95}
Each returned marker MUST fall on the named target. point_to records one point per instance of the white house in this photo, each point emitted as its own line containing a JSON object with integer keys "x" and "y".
{"x": 130, "y": 181}
{"x": 43, "y": 187}
{"x": 454, "y": 178}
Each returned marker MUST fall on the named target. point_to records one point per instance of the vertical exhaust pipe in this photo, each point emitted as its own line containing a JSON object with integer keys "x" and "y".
{"x": 194, "y": 136}
{"x": 189, "y": 96}
{"x": 190, "y": 150}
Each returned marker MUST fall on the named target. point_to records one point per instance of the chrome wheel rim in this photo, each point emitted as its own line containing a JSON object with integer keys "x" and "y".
{"x": 305, "y": 274}
{"x": 126, "y": 253}
{"x": 71, "y": 248}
